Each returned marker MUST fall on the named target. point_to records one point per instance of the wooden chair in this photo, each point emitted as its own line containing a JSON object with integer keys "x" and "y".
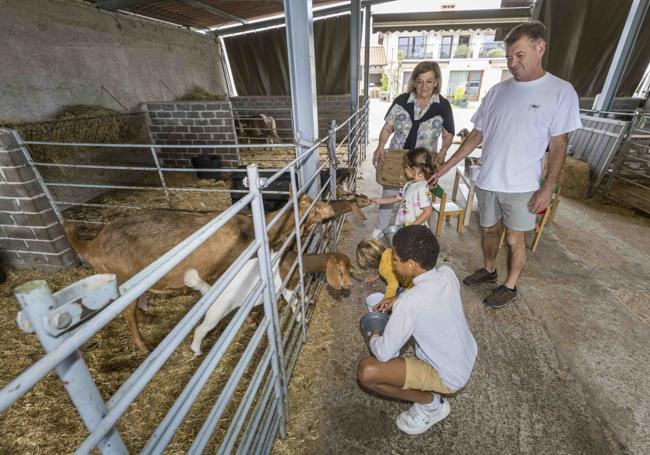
{"x": 446, "y": 209}
{"x": 543, "y": 217}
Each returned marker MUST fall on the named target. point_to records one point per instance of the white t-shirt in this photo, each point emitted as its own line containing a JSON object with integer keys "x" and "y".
{"x": 415, "y": 197}
{"x": 432, "y": 312}
{"x": 517, "y": 120}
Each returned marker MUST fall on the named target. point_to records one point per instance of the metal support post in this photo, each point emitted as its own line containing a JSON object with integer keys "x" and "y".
{"x": 605, "y": 99}
{"x": 366, "y": 55}
{"x": 331, "y": 151}
{"x": 302, "y": 74}
{"x": 355, "y": 50}
{"x": 37, "y": 303}
{"x": 296, "y": 220}
{"x": 270, "y": 299}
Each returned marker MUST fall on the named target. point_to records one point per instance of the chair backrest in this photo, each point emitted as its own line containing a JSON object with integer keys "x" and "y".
{"x": 439, "y": 193}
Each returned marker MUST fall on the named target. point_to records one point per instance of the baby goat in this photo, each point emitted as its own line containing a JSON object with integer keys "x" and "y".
{"x": 337, "y": 268}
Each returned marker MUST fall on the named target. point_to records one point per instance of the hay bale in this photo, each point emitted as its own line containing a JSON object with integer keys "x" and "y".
{"x": 574, "y": 178}
{"x": 197, "y": 93}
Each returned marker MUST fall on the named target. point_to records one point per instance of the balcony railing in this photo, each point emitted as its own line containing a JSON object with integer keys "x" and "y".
{"x": 492, "y": 50}
{"x": 456, "y": 51}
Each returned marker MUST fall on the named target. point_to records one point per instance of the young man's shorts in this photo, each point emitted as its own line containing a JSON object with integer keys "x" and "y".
{"x": 512, "y": 207}
{"x": 421, "y": 375}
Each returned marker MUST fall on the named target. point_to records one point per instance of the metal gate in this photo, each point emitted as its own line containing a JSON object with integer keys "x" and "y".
{"x": 65, "y": 320}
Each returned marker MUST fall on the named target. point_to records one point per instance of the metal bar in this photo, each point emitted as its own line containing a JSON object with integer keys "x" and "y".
{"x": 129, "y": 391}
{"x": 239, "y": 417}
{"x": 160, "y": 146}
{"x": 174, "y": 417}
{"x": 35, "y": 300}
{"x": 300, "y": 49}
{"x": 270, "y": 299}
{"x": 260, "y": 407}
{"x": 210, "y": 423}
{"x": 301, "y": 270}
{"x": 366, "y": 56}
{"x": 154, "y": 155}
{"x": 130, "y": 291}
{"x": 633, "y": 23}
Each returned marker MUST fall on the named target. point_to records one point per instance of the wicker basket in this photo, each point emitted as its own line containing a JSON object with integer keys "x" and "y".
{"x": 390, "y": 171}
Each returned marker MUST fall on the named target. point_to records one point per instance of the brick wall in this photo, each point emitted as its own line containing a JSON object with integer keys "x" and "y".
{"x": 30, "y": 233}
{"x": 330, "y": 107}
{"x": 192, "y": 122}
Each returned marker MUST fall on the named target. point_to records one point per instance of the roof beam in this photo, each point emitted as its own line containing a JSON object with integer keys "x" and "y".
{"x": 114, "y": 5}
{"x": 215, "y": 11}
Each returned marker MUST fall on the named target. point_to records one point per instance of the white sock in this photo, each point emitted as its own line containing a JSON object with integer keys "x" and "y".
{"x": 435, "y": 404}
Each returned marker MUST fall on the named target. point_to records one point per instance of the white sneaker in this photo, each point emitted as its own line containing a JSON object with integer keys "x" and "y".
{"x": 376, "y": 234}
{"x": 417, "y": 420}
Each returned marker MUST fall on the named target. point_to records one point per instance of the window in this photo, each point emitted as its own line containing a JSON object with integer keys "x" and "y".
{"x": 463, "y": 39}
{"x": 406, "y": 76}
{"x": 468, "y": 81}
{"x": 445, "y": 46}
{"x": 412, "y": 46}
{"x": 473, "y": 88}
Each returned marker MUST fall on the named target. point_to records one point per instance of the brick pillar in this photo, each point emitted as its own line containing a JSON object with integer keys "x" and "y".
{"x": 31, "y": 235}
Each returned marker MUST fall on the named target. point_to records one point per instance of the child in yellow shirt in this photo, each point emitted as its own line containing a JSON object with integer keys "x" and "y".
{"x": 372, "y": 254}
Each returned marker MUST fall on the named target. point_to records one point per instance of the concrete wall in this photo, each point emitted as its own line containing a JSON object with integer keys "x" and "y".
{"x": 55, "y": 53}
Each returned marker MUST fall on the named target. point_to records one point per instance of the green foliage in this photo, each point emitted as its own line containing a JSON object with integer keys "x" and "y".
{"x": 497, "y": 52}
{"x": 459, "y": 94}
{"x": 384, "y": 82}
{"x": 462, "y": 51}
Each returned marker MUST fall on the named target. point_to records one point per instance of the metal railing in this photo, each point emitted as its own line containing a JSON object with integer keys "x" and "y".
{"x": 493, "y": 50}
{"x": 596, "y": 142}
{"x": 65, "y": 320}
{"x": 628, "y": 180}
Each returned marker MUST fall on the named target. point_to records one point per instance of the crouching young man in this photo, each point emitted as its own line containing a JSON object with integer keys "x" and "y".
{"x": 432, "y": 312}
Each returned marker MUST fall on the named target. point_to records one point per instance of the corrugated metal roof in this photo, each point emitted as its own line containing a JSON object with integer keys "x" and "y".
{"x": 201, "y": 13}
{"x": 377, "y": 55}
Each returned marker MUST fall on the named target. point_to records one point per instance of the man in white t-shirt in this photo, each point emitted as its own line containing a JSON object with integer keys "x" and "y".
{"x": 517, "y": 121}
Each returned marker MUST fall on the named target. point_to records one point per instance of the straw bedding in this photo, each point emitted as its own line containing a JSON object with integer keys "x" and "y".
{"x": 45, "y": 421}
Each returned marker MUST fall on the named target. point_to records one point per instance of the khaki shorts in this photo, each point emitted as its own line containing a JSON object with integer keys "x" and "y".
{"x": 422, "y": 376}
{"x": 512, "y": 207}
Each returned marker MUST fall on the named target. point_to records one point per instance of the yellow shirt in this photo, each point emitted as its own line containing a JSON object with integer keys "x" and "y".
{"x": 387, "y": 272}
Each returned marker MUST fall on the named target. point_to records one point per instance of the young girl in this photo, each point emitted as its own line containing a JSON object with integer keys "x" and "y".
{"x": 372, "y": 254}
{"x": 415, "y": 198}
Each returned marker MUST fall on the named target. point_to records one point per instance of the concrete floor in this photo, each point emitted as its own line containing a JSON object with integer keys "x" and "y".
{"x": 563, "y": 370}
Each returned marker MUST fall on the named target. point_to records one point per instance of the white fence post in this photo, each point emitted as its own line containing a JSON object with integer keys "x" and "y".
{"x": 270, "y": 299}
{"x": 37, "y": 303}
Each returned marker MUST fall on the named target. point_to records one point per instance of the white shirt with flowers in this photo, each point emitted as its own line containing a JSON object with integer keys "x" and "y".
{"x": 415, "y": 198}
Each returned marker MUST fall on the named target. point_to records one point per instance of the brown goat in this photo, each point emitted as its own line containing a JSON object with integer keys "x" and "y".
{"x": 258, "y": 128}
{"x": 130, "y": 244}
{"x": 352, "y": 203}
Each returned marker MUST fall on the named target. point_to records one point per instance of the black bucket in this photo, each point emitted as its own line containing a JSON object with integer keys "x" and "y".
{"x": 207, "y": 162}
{"x": 271, "y": 201}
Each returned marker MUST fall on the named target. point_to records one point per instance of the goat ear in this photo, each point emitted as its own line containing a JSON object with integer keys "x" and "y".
{"x": 358, "y": 214}
{"x": 331, "y": 273}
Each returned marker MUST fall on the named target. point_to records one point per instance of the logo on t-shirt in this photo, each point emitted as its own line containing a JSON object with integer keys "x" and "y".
{"x": 534, "y": 107}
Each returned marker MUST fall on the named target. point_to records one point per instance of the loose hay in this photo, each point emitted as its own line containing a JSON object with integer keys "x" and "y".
{"x": 197, "y": 93}
{"x": 574, "y": 178}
